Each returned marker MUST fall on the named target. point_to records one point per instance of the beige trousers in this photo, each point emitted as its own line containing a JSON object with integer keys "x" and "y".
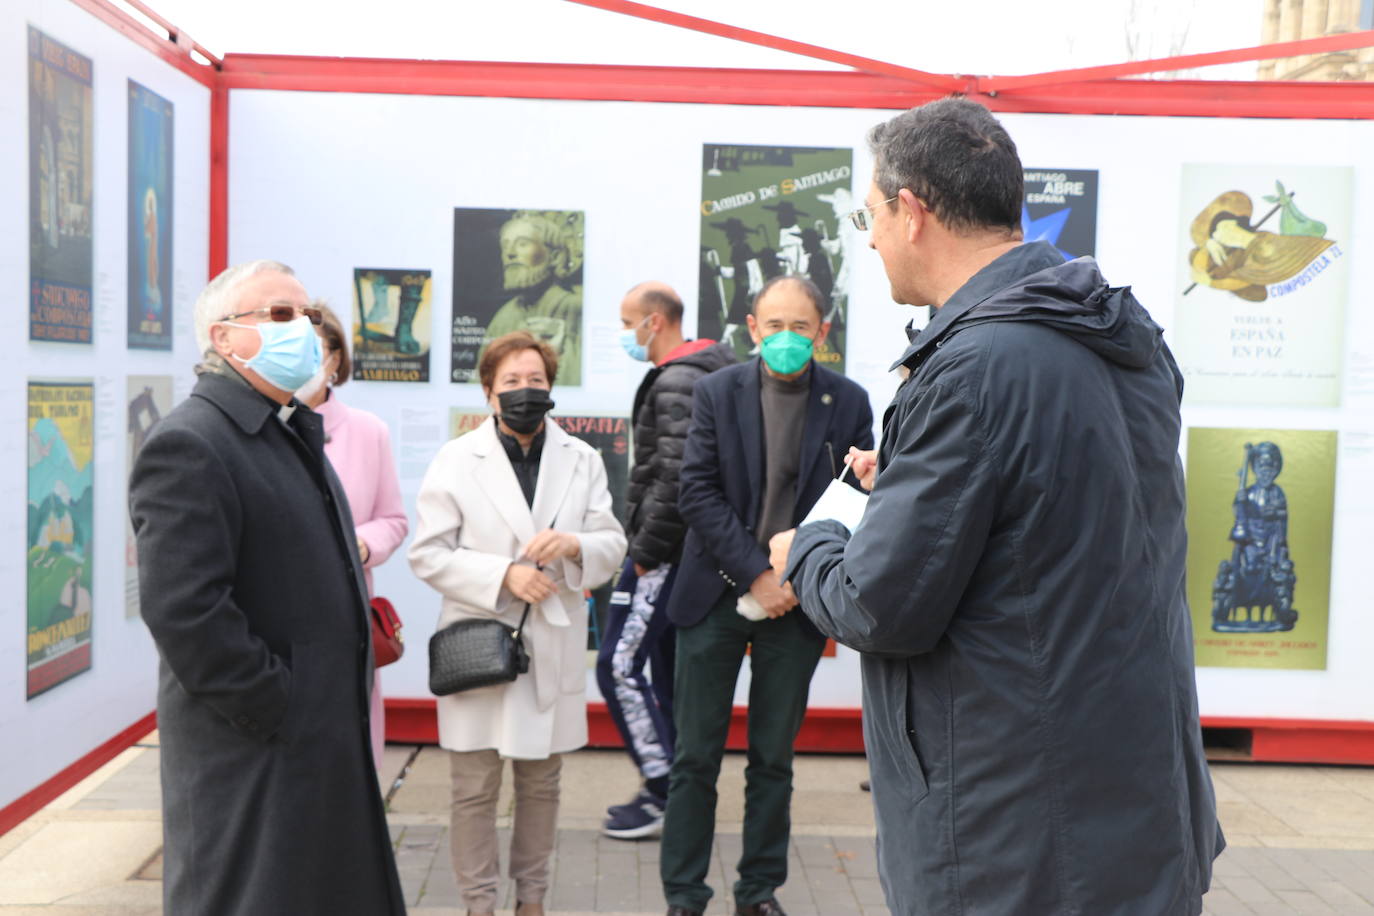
{"x": 472, "y": 834}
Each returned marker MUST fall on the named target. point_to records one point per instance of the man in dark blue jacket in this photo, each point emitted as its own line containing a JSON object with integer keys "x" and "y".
{"x": 1017, "y": 581}
{"x": 765, "y": 441}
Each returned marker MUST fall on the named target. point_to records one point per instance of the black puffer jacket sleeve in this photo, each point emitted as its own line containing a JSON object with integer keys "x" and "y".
{"x": 658, "y": 526}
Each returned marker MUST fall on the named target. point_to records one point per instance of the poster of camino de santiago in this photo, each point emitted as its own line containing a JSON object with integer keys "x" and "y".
{"x": 609, "y": 434}
{"x": 61, "y": 524}
{"x": 1061, "y": 208}
{"x": 390, "y": 325}
{"x": 517, "y": 270}
{"x": 1260, "y": 506}
{"x": 150, "y": 219}
{"x": 769, "y": 211}
{"x": 61, "y": 153}
{"x": 1263, "y": 276}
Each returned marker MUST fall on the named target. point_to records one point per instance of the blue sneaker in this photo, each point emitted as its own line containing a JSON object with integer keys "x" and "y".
{"x": 644, "y": 795}
{"x": 640, "y": 819}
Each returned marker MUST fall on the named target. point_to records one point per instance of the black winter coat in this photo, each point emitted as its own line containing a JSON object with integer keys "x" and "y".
{"x": 252, "y": 588}
{"x": 1017, "y": 589}
{"x": 662, "y": 413}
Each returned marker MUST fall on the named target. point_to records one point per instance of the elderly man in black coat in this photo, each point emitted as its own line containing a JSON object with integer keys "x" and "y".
{"x": 252, "y": 588}
{"x": 1016, "y": 582}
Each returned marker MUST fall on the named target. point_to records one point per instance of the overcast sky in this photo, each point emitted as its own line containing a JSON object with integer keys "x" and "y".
{"x": 1002, "y": 37}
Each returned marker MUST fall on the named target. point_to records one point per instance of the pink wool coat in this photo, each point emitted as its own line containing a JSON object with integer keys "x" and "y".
{"x": 358, "y": 444}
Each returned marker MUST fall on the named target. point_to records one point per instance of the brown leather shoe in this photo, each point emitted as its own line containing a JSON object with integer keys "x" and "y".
{"x": 529, "y": 909}
{"x": 682, "y": 911}
{"x": 769, "y": 907}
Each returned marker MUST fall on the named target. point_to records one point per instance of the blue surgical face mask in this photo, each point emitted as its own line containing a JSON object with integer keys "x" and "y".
{"x": 290, "y": 353}
{"x": 629, "y": 341}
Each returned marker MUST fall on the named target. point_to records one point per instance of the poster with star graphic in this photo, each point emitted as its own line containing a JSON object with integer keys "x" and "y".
{"x": 1061, "y": 208}
{"x": 1262, "y": 281}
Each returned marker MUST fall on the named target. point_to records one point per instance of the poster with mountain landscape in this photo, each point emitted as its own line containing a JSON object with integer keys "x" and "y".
{"x": 61, "y": 518}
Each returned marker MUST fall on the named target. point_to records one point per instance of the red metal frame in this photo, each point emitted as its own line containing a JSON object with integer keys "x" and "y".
{"x": 939, "y": 81}
{"x": 1323, "y": 45}
{"x": 164, "y": 47}
{"x": 25, "y": 806}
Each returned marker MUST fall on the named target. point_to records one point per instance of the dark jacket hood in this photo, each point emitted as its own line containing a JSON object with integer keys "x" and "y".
{"x": 1034, "y": 283}
{"x": 708, "y": 359}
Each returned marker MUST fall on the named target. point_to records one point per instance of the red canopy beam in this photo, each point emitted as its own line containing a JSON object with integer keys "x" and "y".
{"x": 710, "y": 27}
{"x": 173, "y": 33}
{"x": 1346, "y": 42}
{"x": 140, "y": 34}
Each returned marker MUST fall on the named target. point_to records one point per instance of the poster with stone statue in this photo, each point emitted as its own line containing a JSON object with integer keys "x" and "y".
{"x": 1263, "y": 263}
{"x": 771, "y": 211}
{"x": 391, "y": 335}
{"x": 1260, "y": 511}
{"x": 517, "y": 270}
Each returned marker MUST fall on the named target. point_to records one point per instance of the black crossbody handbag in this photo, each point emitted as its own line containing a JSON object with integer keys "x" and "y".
{"x": 468, "y": 654}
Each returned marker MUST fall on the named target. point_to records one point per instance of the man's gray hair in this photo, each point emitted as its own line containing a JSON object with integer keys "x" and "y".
{"x": 218, "y": 297}
{"x": 957, "y": 159}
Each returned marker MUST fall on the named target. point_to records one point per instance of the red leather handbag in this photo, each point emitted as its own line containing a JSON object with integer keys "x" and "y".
{"x": 387, "y": 643}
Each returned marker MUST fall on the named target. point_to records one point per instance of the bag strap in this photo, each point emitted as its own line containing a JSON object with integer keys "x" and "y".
{"x": 521, "y": 628}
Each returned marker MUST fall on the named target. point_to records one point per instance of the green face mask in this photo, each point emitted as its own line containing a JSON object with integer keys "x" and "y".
{"x": 786, "y": 352}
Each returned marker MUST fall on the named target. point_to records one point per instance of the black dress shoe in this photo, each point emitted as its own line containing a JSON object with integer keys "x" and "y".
{"x": 769, "y": 907}
{"x": 682, "y": 911}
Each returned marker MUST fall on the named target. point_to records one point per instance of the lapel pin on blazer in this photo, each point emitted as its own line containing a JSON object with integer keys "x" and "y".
{"x": 826, "y": 399}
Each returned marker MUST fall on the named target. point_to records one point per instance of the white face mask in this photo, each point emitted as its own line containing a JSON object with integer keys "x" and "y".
{"x": 306, "y": 393}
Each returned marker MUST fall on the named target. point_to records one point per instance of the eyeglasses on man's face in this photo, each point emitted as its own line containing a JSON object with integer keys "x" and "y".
{"x": 280, "y": 313}
{"x": 862, "y": 218}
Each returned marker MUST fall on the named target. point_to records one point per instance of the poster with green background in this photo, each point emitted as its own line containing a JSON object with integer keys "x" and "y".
{"x": 1260, "y": 511}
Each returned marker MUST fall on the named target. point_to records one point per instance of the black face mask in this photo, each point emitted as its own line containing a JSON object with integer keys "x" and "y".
{"x": 523, "y": 409}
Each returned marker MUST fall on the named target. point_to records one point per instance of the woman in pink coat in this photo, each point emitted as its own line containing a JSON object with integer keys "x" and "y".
{"x": 358, "y": 444}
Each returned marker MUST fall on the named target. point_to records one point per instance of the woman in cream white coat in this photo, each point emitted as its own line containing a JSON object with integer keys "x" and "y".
{"x": 512, "y": 512}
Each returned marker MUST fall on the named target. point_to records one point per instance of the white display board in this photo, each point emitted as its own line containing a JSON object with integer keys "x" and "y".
{"x": 329, "y": 182}
{"x": 45, "y": 734}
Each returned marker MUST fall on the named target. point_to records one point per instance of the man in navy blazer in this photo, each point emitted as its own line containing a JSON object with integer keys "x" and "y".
{"x": 767, "y": 437}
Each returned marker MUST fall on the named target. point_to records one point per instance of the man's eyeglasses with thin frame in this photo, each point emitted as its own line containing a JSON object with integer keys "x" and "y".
{"x": 281, "y": 313}
{"x": 862, "y": 218}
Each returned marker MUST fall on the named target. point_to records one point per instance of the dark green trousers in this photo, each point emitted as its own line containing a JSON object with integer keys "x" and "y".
{"x": 783, "y": 656}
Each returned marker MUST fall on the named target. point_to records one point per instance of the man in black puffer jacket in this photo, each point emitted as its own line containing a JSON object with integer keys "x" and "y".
{"x": 637, "y": 630}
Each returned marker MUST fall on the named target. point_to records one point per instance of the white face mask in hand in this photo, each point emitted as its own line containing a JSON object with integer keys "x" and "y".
{"x": 840, "y": 502}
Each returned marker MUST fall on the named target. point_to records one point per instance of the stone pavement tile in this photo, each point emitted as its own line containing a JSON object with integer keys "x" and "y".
{"x": 1250, "y": 890}
{"x": 1223, "y": 903}
{"x": 1359, "y": 780}
{"x": 590, "y": 782}
{"x": 1341, "y": 897}
{"x": 41, "y": 870}
{"x": 1325, "y": 812}
{"x": 394, "y": 759}
{"x": 1277, "y": 908}
{"x": 1306, "y": 903}
{"x": 1228, "y": 863}
{"x": 1271, "y": 874}
{"x": 1246, "y": 817}
{"x": 868, "y": 891}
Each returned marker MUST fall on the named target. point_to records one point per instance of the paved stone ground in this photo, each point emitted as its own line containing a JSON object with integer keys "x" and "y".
{"x": 1302, "y": 841}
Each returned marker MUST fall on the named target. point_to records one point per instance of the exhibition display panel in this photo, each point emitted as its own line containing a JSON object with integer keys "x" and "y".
{"x": 1236, "y": 211}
